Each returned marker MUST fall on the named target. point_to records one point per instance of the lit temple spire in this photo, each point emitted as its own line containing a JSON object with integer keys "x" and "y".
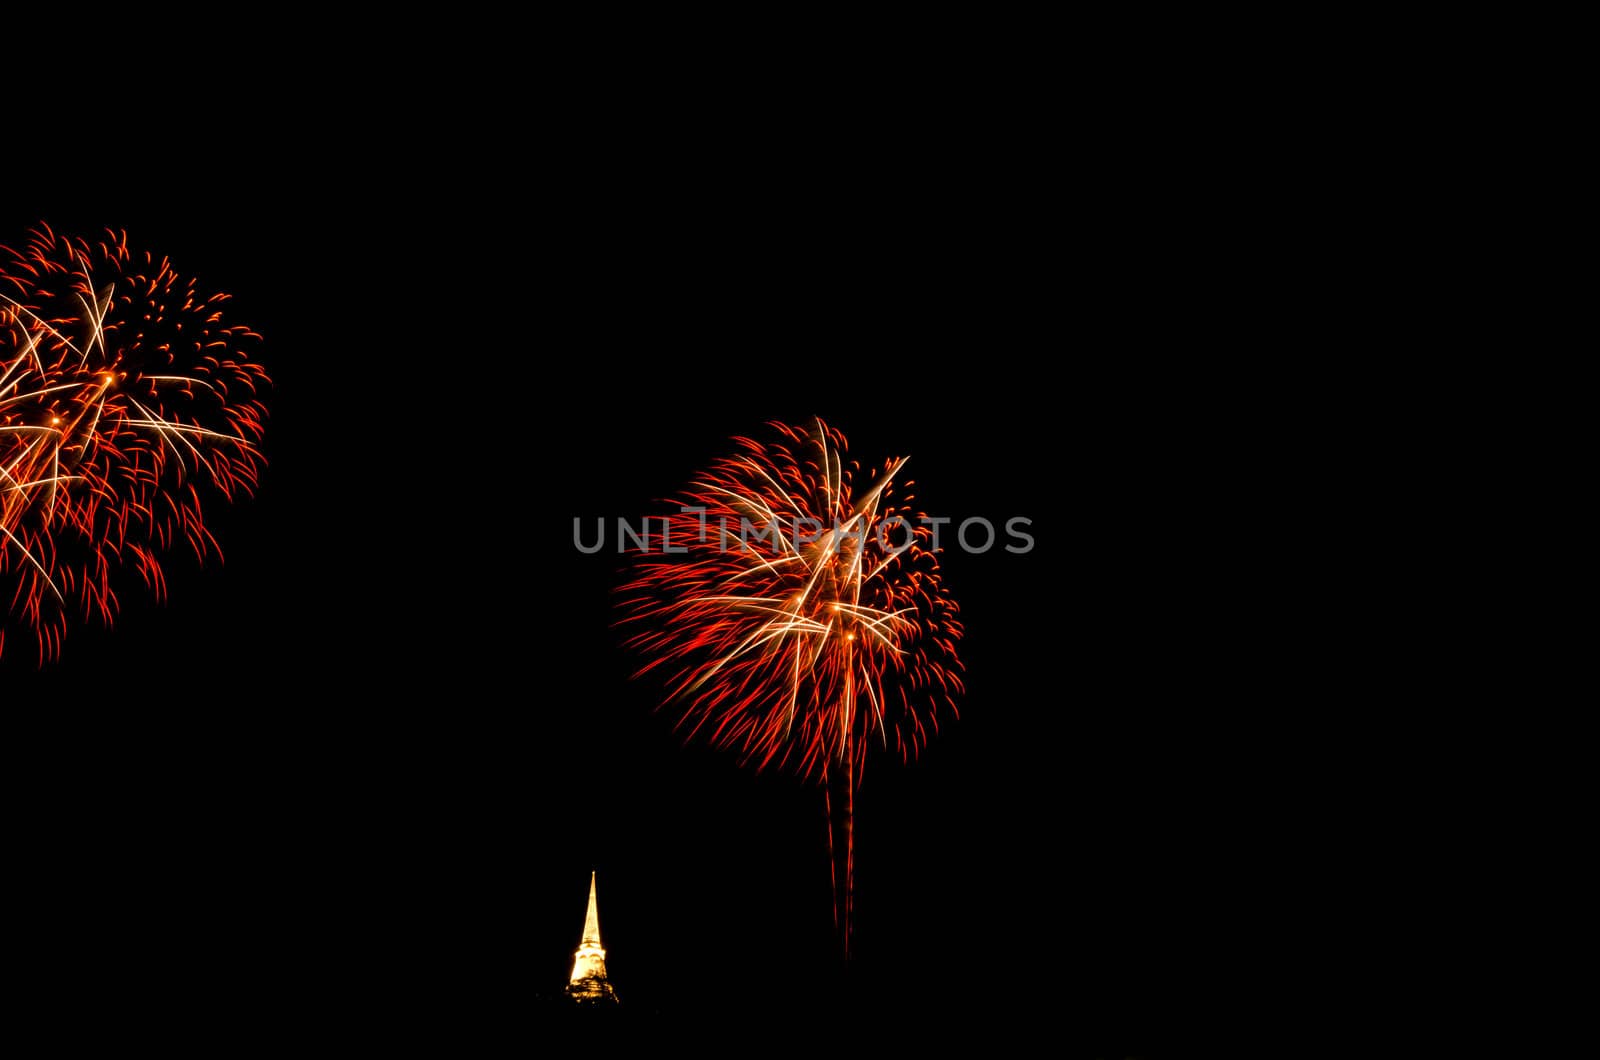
{"x": 589, "y": 981}
{"x": 591, "y": 922}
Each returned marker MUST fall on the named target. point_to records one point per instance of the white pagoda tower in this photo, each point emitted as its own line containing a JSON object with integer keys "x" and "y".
{"x": 589, "y": 981}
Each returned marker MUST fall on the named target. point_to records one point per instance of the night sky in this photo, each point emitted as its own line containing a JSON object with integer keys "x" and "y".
{"x": 365, "y": 767}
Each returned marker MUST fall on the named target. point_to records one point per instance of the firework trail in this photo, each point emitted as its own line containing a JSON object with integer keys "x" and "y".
{"x": 798, "y": 615}
{"x": 125, "y": 401}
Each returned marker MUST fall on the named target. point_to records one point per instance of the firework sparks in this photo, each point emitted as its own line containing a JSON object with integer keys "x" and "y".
{"x": 800, "y": 618}
{"x": 124, "y": 401}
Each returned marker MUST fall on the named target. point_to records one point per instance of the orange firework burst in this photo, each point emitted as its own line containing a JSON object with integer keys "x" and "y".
{"x": 800, "y": 619}
{"x": 124, "y": 399}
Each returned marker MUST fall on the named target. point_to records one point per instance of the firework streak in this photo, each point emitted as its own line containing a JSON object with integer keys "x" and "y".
{"x": 125, "y": 402}
{"x": 798, "y": 619}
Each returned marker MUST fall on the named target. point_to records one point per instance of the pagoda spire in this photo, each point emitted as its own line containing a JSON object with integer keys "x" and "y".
{"x": 589, "y": 982}
{"x": 591, "y": 922}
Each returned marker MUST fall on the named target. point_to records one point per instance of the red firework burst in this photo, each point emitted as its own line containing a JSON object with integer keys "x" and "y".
{"x": 798, "y": 618}
{"x": 124, "y": 400}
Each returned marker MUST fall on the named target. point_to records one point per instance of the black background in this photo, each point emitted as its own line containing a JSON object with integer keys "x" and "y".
{"x": 365, "y": 767}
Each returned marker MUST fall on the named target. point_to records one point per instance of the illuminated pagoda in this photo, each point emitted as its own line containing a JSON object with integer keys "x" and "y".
{"x": 589, "y": 982}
